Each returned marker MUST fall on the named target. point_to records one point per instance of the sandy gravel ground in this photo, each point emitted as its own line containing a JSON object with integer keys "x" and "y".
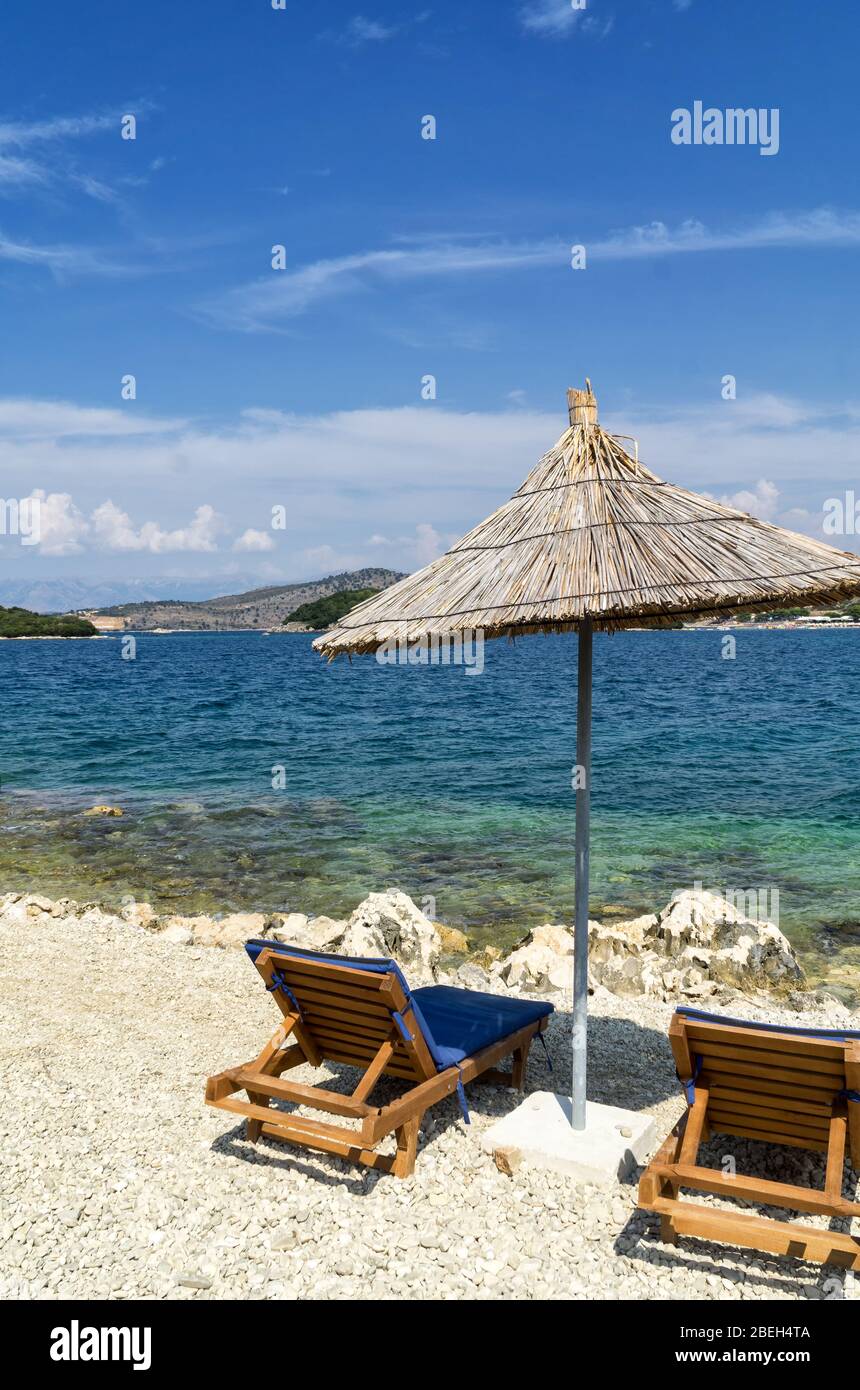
{"x": 117, "y": 1182}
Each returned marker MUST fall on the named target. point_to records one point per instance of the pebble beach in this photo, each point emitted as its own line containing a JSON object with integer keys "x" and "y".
{"x": 118, "y": 1182}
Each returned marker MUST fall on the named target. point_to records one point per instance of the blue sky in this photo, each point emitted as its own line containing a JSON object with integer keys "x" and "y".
{"x": 407, "y": 257}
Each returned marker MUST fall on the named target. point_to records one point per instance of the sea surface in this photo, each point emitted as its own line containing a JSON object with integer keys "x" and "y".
{"x": 254, "y": 775}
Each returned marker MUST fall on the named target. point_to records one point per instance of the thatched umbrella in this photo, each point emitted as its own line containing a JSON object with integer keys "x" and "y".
{"x": 593, "y": 540}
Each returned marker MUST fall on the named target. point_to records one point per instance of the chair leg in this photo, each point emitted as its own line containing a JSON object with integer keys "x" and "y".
{"x": 271, "y": 1062}
{"x": 520, "y": 1060}
{"x": 407, "y": 1147}
{"x": 254, "y": 1128}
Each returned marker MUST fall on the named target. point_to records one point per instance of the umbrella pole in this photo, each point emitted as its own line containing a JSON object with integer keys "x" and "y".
{"x": 583, "y": 829}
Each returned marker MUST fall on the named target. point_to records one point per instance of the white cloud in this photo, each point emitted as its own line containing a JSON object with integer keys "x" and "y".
{"x": 549, "y": 18}
{"x": 22, "y": 134}
{"x": 254, "y": 540}
{"x": 820, "y": 227}
{"x": 114, "y": 530}
{"x": 424, "y": 546}
{"x": 61, "y": 526}
{"x": 554, "y": 19}
{"x": 264, "y": 303}
{"x": 396, "y": 486}
{"x": 361, "y": 30}
{"x": 26, "y": 418}
{"x": 761, "y": 502}
{"x": 15, "y": 171}
{"x": 71, "y": 260}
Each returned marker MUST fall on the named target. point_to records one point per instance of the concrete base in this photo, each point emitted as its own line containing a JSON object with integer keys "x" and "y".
{"x": 538, "y": 1134}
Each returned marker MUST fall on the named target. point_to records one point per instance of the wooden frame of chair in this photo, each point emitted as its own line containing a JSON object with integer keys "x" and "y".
{"x": 337, "y": 1013}
{"x": 780, "y": 1088}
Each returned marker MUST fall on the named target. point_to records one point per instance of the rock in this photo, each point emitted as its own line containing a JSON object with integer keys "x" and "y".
{"x": 238, "y": 927}
{"x": 140, "y": 915}
{"x": 507, "y": 1160}
{"x": 389, "y": 924}
{"x": 542, "y": 962}
{"x": 470, "y": 975}
{"x": 193, "y": 1281}
{"x": 202, "y": 930}
{"x": 451, "y": 941}
{"x": 362, "y": 940}
{"x": 699, "y": 943}
{"x": 317, "y": 933}
{"x": 105, "y": 811}
{"x": 289, "y": 926}
{"x": 488, "y": 956}
{"x": 697, "y": 946}
{"x": 178, "y": 934}
{"x": 325, "y": 933}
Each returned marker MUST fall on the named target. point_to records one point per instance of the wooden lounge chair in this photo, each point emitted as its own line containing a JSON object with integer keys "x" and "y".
{"x": 782, "y": 1085}
{"x": 362, "y": 1012}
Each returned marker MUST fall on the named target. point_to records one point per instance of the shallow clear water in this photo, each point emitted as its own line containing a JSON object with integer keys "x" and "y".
{"x": 740, "y": 774}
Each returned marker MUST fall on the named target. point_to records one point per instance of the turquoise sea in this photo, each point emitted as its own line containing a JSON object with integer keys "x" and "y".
{"x": 740, "y": 774}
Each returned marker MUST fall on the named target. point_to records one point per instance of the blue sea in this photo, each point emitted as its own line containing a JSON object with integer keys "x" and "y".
{"x": 254, "y": 775}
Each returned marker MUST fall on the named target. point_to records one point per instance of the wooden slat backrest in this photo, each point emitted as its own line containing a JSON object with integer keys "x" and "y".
{"x": 348, "y": 1012}
{"x": 779, "y": 1087}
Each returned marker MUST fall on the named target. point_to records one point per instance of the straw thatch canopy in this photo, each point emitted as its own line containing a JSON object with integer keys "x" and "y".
{"x": 593, "y": 533}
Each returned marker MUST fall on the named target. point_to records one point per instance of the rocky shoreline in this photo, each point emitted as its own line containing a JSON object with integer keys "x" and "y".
{"x": 699, "y": 948}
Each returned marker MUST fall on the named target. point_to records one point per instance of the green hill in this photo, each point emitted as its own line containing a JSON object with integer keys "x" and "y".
{"x": 322, "y": 612}
{"x": 19, "y": 622}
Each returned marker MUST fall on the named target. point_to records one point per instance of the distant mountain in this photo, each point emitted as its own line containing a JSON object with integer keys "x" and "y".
{"x": 65, "y": 595}
{"x": 255, "y": 608}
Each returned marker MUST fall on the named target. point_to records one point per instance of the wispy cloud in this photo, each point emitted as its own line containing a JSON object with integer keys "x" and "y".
{"x": 22, "y": 134}
{"x": 265, "y": 303}
{"x": 362, "y": 30}
{"x": 28, "y": 419}
{"x": 556, "y": 19}
{"x": 60, "y": 260}
{"x": 820, "y": 227}
{"x": 42, "y": 140}
{"x": 15, "y": 172}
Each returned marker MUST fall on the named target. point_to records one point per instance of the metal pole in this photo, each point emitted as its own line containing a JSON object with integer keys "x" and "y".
{"x": 583, "y": 828}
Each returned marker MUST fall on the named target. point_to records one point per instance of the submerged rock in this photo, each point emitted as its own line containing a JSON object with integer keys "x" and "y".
{"x": 105, "y": 811}
{"x": 452, "y": 941}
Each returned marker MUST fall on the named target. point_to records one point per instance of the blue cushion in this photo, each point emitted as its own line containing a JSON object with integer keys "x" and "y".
{"x": 455, "y": 1023}
{"x": 837, "y": 1034}
{"x": 462, "y": 1021}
